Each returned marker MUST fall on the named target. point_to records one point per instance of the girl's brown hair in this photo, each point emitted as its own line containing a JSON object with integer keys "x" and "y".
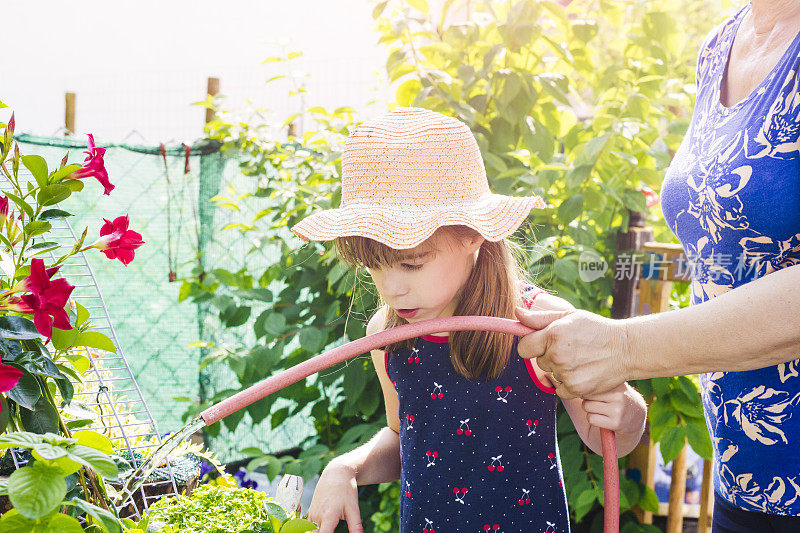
{"x": 493, "y": 288}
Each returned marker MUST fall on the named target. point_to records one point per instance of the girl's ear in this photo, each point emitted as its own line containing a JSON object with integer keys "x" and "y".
{"x": 474, "y": 243}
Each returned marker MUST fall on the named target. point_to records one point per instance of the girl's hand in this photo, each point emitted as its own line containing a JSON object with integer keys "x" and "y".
{"x": 336, "y": 498}
{"x": 622, "y": 410}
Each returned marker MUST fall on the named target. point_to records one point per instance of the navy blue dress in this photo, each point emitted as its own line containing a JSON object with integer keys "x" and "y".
{"x": 476, "y": 455}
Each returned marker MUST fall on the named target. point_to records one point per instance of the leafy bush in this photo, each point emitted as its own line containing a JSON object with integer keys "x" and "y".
{"x": 221, "y": 509}
{"x": 583, "y": 105}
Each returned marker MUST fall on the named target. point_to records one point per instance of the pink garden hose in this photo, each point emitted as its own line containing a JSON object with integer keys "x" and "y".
{"x": 327, "y": 359}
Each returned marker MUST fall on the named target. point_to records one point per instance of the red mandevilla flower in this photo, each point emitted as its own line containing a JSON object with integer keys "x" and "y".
{"x": 3, "y": 209}
{"x": 9, "y": 376}
{"x": 46, "y": 298}
{"x": 94, "y": 166}
{"x": 650, "y": 197}
{"x": 117, "y": 241}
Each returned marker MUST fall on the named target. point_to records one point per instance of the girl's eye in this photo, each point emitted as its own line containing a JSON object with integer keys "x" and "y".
{"x": 408, "y": 266}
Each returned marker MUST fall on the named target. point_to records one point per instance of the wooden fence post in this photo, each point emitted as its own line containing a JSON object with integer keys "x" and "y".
{"x": 213, "y": 89}
{"x": 69, "y": 114}
{"x": 624, "y": 290}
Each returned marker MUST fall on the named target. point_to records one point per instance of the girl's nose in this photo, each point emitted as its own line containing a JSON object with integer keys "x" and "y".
{"x": 395, "y": 284}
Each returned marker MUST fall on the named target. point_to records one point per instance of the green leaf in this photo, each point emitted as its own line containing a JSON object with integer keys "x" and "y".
{"x": 95, "y": 339}
{"x": 94, "y": 459}
{"x": 94, "y": 440}
{"x": 275, "y": 324}
{"x": 570, "y": 209}
{"x": 36, "y": 490}
{"x": 298, "y": 525}
{"x": 5, "y": 414}
{"x": 52, "y": 194}
{"x": 672, "y": 442}
{"x": 408, "y": 91}
{"x": 27, "y": 391}
{"x": 649, "y": 500}
{"x": 566, "y": 269}
{"x": 101, "y": 516}
{"x": 36, "y": 363}
{"x": 21, "y": 204}
{"x": 37, "y": 227}
{"x": 83, "y": 314}
{"x": 61, "y": 523}
{"x": 312, "y": 339}
{"x": 64, "y": 339}
{"x": 13, "y": 522}
{"x": 17, "y": 327}
{"x": 634, "y": 200}
{"x": 276, "y": 510}
{"x": 699, "y": 439}
{"x": 66, "y": 170}
{"x": 43, "y": 418}
{"x": 38, "y": 167}
{"x": 19, "y": 439}
{"x": 54, "y": 213}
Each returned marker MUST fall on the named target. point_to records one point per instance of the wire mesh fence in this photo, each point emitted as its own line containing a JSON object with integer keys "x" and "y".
{"x": 167, "y": 200}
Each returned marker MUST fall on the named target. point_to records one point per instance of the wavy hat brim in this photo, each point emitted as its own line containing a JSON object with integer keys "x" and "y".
{"x": 400, "y": 226}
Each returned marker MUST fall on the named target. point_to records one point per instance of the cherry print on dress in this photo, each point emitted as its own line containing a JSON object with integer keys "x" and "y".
{"x": 526, "y": 497}
{"x": 552, "y": 458}
{"x": 531, "y": 426}
{"x": 414, "y": 358}
{"x": 491, "y": 527}
{"x": 408, "y": 490}
{"x": 460, "y": 493}
{"x": 409, "y": 421}
{"x": 496, "y": 464}
{"x": 432, "y": 456}
{"x": 428, "y": 527}
{"x": 463, "y": 428}
{"x": 438, "y": 392}
{"x": 551, "y": 527}
{"x": 502, "y": 393}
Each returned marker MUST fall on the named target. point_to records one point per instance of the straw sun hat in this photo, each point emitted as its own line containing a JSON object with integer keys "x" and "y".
{"x": 408, "y": 172}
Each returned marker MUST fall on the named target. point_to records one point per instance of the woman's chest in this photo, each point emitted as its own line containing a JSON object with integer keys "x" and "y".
{"x": 752, "y": 59}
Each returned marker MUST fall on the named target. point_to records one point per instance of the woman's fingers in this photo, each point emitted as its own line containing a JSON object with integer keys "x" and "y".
{"x": 583, "y": 350}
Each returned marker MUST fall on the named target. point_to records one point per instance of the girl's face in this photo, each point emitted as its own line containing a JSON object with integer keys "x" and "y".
{"x": 429, "y": 279}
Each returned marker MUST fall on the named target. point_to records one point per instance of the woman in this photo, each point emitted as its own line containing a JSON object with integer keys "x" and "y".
{"x": 732, "y": 197}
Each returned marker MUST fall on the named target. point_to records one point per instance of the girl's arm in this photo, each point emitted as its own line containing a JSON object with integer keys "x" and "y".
{"x": 378, "y": 461}
{"x": 622, "y": 410}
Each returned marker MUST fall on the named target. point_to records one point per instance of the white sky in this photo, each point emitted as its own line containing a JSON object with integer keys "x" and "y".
{"x": 137, "y": 65}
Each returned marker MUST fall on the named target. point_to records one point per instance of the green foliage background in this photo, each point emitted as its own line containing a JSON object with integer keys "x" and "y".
{"x": 583, "y": 105}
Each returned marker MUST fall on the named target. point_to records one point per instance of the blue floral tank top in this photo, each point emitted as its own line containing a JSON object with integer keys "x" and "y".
{"x": 732, "y": 197}
{"x": 476, "y": 455}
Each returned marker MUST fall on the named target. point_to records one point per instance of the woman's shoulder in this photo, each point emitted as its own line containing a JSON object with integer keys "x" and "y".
{"x": 712, "y": 43}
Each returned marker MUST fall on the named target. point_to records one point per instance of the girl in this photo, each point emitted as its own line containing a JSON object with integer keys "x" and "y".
{"x": 470, "y": 425}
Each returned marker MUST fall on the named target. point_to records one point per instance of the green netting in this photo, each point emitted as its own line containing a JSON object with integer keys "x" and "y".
{"x": 171, "y": 210}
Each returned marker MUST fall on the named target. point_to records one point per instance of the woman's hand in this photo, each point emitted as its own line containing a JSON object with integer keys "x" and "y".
{"x": 586, "y": 353}
{"x": 336, "y": 498}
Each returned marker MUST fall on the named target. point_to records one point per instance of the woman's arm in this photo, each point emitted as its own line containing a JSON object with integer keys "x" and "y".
{"x": 753, "y": 326}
